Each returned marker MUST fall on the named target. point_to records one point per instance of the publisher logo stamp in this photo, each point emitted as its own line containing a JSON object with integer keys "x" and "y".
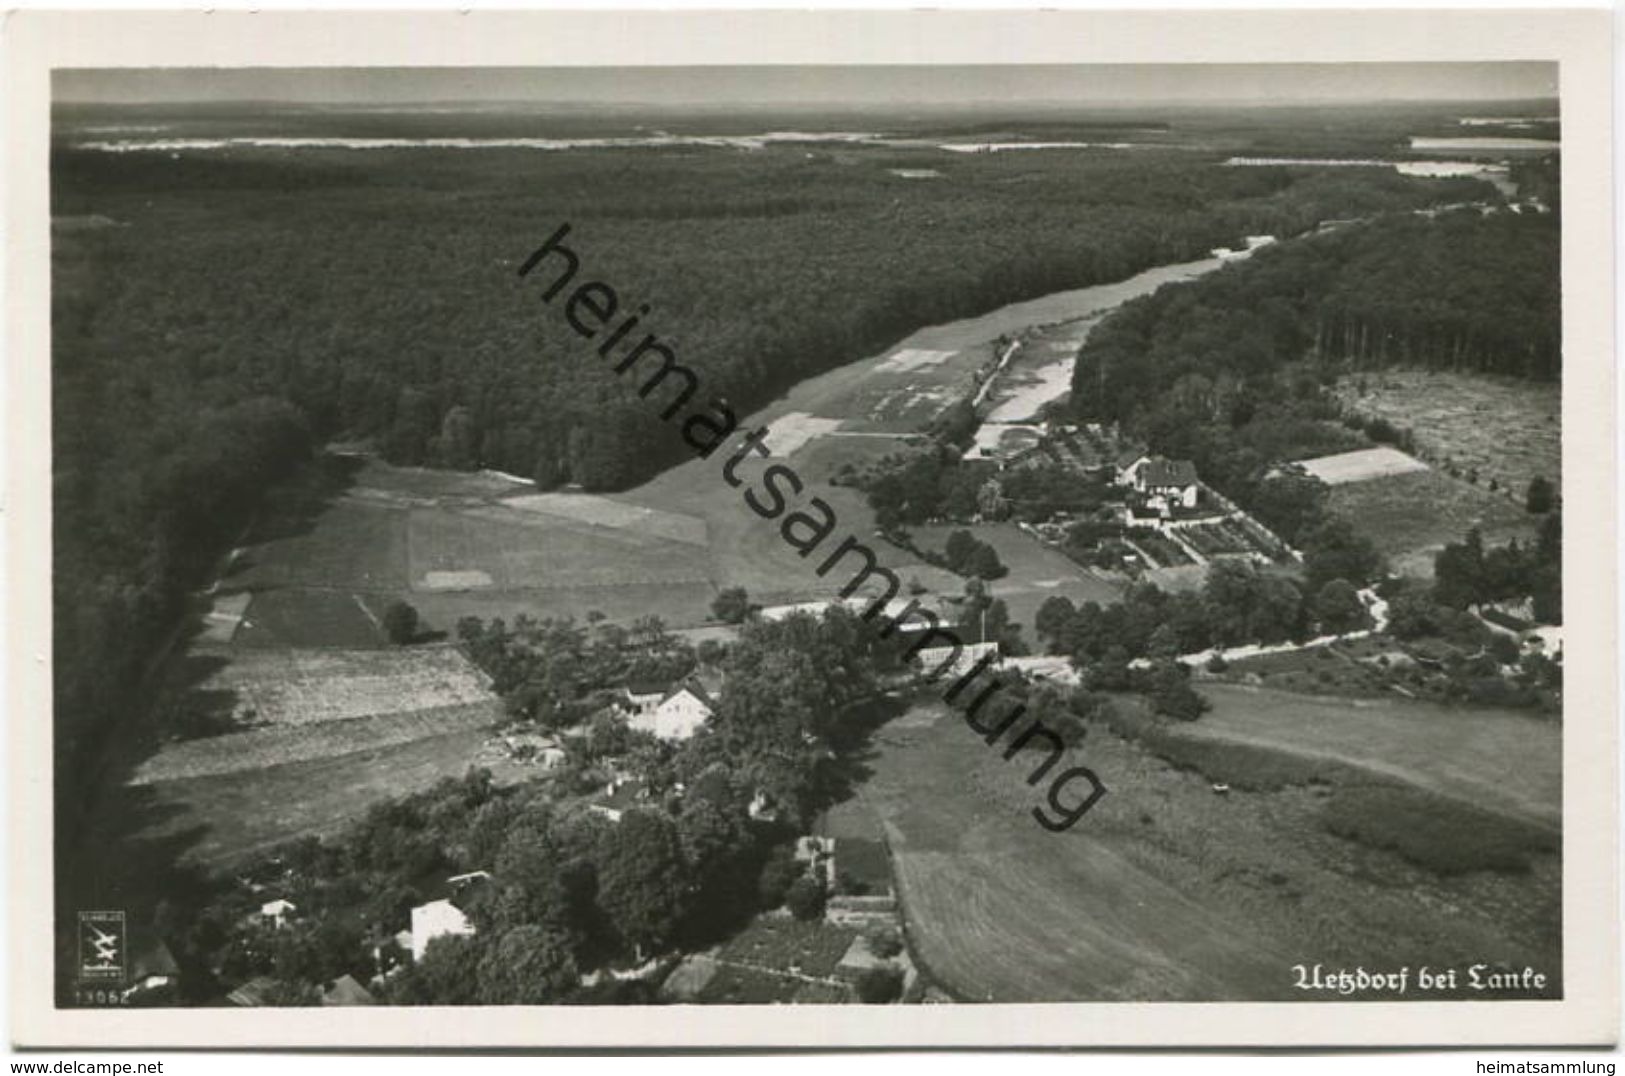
{"x": 101, "y": 946}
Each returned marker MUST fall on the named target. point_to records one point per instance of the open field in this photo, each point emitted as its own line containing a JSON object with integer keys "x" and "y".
{"x": 517, "y": 549}
{"x": 234, "y": 752}
{"x": 1163, "y": 891}
{"x": 1500, "y": 759}
{"x": 361, "y": 546}
{"x": 1361, "y": 464}
{"x": 309, "y": 617}
{"x": 225, "y": 818}
{"x": 1506, "y": 430}
{"x": 281, "y": 688}
{"x": 1411, "y": 517}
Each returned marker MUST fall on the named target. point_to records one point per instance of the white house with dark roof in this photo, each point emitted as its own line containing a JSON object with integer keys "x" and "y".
{"x": 679, "y": 715}
{"x": 1166, "y": 484}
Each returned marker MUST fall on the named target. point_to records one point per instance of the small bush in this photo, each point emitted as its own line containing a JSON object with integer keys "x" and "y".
{"x": 884, "y": 942}
{"x": 805, "y": 899}
{"x": 880, "y": 986}
{"x": 778, "y": 874}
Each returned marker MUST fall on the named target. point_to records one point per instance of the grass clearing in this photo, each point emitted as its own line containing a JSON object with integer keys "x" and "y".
{"x": 530, "y": 549}
{"x": 222, "y": 819}
{"x": 1410, "y": 517}
{"x": 1037, "y": 571}
{"x": 296, "y": 617}
{"x": 1505, "y": 760}
{"x": 1442, "y": 835}
{"x": 235, "y": 752}
{"x": 617, "y": 515}
{"x": 282, "y": 688}
{"x": 1504, "y": 429}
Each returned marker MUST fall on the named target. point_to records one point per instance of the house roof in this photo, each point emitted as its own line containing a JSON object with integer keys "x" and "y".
{"x": 152, "y": 958}
{"x": 252, "y": 993}
{"x": 1128, "y": 457}
{"x": 647, "y": 686}
{"x": 1161, "y": 472}
{"x": 346, "y": 991}
{"x": 695, "y": 688}
{"x": 622, "y": 796}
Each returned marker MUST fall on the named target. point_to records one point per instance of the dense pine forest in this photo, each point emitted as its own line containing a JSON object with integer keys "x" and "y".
{"x": 1230, "y": 370}
{"x": 216, "y": 316}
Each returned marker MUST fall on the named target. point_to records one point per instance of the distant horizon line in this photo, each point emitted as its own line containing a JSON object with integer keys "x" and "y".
{"x": 1200, "y": 104}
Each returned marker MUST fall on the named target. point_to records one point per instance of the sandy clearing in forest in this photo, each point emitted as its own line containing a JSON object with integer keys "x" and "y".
{"x": 1361, "y": 465}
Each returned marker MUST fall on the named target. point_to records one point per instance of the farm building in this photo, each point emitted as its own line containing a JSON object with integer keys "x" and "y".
{"x": 436, "y": 919}
{"x": 533, "y": 747}
{"x": 1166, "y": 484}
{"x": 679, "y": 714}
{"x": 642, "y": 696}
{"x": 619, "y": 797}
{"x": 277, "y": 912}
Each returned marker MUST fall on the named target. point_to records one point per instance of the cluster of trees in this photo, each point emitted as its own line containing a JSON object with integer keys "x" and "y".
{"x": 967, "y": 555}
{"x": 556, "y": 671}
{"x": 1459, "y": 290}
{"x": 570, "y": 890}
{"x": 131, "y": 537}
{"x": 1237, "y": 604}
{"x": 1231, "y": 371}
{"x": 914, "y": 487}
{"x": 1466, "y": 573}
{"x": 793, "y": 705}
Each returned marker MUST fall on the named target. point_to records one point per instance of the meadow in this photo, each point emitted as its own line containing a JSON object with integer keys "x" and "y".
{"x": 1167, "y": 891}
{"x": 1410, "y": 517}
{"x": 1497, "y": 429}
{"x": 1037, "y": 572}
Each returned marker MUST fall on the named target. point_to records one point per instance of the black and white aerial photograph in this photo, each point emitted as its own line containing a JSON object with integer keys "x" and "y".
{"x": 806, "y": 535}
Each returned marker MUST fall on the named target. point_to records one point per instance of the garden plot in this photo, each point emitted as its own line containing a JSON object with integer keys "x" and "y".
{"x": 306, "y": 687}
{"x": 1362, "y": 465}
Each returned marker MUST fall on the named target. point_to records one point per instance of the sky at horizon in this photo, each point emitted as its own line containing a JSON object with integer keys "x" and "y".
{"x": 1100, "y": 85}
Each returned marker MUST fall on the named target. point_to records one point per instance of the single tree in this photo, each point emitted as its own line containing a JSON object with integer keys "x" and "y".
{"x": 805, "y": 899}
{"x": 1541, "y": 496}
{"x": 400, "y": 623}
{"x": 1338, "y": 607}
{"x": 530, "y": 965}
{"x": 641, "y": 878}
{"x": 731, "y": 605}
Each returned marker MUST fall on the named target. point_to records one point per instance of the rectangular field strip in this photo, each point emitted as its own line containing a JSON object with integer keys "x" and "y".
{"x": 256, "y": 749}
